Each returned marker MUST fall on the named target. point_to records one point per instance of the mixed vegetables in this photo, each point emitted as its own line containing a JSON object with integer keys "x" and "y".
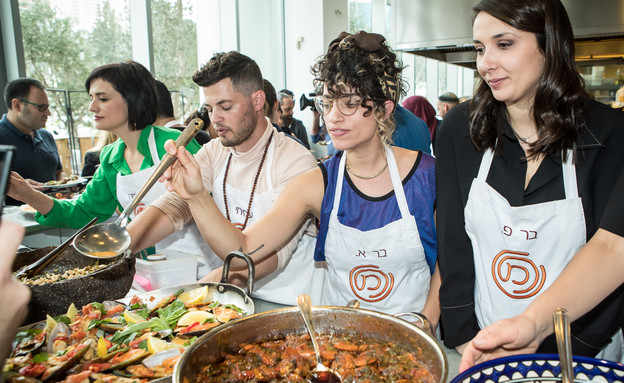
{"x": 112, "y": 342}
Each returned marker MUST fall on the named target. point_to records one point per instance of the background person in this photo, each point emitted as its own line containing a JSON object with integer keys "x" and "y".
{"x": 422, "y": 108}
{"x": 374, "y": 202}
{"x": 92, "y": 156}
{"x": 166, "y": 117}
{"x": 411, "y": 132}
{"x": 524, "y": 172}
{"x": 244, "y": 172}
{"x": 36, "y": 157}
{"x": 600, "y": 261}
{"x": 203, "y": 114}
{"x": 289, "y": 123}
{"x": 446, "y": 101}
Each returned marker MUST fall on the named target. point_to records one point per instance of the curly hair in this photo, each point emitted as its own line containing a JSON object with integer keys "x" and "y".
{"x": 559, "y": 109}
{"x": 363, "y": 64}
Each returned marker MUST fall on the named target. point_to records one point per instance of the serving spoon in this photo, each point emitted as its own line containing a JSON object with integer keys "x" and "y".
{"x": 321, "y": 374}
{"x": 107, "y": 240}
{"x": 564, "y": 345}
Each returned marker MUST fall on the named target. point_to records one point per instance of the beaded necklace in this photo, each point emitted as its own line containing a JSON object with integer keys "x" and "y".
{"x": 253, "y": 189}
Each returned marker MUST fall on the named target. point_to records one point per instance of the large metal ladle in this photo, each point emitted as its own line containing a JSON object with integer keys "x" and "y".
{"x": 321, "y": 374}
{"x": 107, "y": 240}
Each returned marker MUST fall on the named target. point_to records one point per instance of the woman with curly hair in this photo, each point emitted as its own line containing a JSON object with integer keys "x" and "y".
{"x": 524, "y": 172}
{"x": 375, "y": 202}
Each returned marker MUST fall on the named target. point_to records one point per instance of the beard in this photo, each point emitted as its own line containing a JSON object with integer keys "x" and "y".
{"x": 287, "y": 120}
{"x": 248, "y": 123}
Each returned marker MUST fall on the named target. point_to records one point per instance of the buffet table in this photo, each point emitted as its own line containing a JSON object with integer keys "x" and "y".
{"x": 38, "y": 236}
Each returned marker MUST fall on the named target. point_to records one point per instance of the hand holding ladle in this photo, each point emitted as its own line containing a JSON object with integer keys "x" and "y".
{"x": 108, "y": 240}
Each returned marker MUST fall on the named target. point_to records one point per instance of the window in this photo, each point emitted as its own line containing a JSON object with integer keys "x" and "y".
{"x": 360, "y": 15}
{"x": 174, "y": 33}
{"x": 63, "y": 42}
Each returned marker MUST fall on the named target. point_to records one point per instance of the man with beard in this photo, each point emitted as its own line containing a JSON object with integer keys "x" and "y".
{"x": 36, "y": 158}
{"x": 289, "y": 123}
{"x": 245, "y": 170}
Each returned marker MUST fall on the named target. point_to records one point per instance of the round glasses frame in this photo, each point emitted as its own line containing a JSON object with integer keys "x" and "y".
{"x": 347, "y": 104}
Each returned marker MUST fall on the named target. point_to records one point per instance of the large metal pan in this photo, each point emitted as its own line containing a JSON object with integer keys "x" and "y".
{"x": 212, "y": 346}
{"x": 222, "y": 292}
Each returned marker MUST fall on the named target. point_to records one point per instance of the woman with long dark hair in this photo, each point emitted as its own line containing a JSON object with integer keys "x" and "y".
{"x": 524, "y": 172}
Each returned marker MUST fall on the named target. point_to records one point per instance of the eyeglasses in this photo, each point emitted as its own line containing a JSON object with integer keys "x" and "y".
{"x": 347, "y": 104}
{"x": 41, "y": 107}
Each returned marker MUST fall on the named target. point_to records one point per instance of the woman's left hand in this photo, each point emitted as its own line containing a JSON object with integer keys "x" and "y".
{"x": 184, "y": 175}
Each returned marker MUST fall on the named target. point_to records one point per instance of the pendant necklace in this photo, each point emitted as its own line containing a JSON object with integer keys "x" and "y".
{"x": 366, "y": 177}
{"x": 523, "y": 139}
{"x": 253, "y": 189}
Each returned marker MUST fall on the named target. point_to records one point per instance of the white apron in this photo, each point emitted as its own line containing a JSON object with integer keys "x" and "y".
{"x": 301, "y": 275}
{"x": 519, "y": 251}
{"x": 385, "y": 268}
{"x": 188, "y": 239}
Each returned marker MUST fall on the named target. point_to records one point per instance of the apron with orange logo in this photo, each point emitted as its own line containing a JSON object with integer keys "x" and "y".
{"x": 519, "y": 250}
{"x": 385, "y": 268}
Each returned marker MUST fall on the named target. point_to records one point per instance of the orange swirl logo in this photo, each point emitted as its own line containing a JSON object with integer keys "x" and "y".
{"x": 528, "y": 279}
{"x": 137, "y": 210}
{"x": 370, "y": 284}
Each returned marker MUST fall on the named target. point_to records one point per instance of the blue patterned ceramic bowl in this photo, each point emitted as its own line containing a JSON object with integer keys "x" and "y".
{"x": 541, "y": 368}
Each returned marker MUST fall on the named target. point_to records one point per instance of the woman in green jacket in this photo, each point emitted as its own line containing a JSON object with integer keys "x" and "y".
{"x": 124, "y": 102}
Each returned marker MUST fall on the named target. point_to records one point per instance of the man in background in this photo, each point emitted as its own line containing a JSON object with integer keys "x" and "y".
{"x": 166, "y": 116}
{"x": 446, "y": 101}
{"x": 289, "y": 123}
{"x": 36, "y": 158}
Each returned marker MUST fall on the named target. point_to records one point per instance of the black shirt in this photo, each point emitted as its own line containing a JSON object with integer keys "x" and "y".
{"x": 600, "y": 157}
{"x": 613, "y": 218}
{"x": 36, "y": 157}
{"x": 91, "y": 163}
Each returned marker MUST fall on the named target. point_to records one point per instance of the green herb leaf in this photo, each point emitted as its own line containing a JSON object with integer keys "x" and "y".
{"x": 172, "y": 312}
{"x": 158, "y": 324}
{"x": 99, "y": 306}
{"x": 234, "y": 307}
{"x": 63, "y": 318}
{"x": 143, "y": 345}
{"x": 144, "y": 313}
{"x": 190, "y": 341}
{"x": 41, "y": 357}
{"x": 28, "y": 334}
{"x": 130, "y": 333}
{"x": 97, "y": 322}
